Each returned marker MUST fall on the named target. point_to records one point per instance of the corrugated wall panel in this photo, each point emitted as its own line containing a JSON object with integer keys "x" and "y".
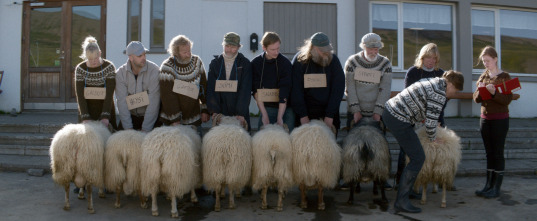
{"x": 295, "y": 22}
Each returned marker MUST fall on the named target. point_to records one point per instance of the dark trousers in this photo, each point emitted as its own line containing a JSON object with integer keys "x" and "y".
{"x": 493, "y": 133}
{"x": 137, "y": 122}
{"x": 408, "y": 140}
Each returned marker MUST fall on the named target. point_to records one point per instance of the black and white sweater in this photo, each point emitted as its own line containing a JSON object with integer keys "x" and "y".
{"x": 421, "y": 101}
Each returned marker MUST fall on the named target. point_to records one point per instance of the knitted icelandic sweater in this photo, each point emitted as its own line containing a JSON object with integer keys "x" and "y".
{"x": 366, "y": 97}
{"x": 101, "y": 76}
{"x": 177, "y": 107}
{"x": 421, "y": 101}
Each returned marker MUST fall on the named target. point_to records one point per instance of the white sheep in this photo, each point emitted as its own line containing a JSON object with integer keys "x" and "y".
{"x": 316, "y": 159}
{"x": 272, "y": 163}
{"x": 227, "y": 158}
{"x": 366, "y": 157}
{"x": 123, "y": 155}
{"x": 76, "y": 155}
{"x": 442, "y": 157}
{"x": 170, "y": 163}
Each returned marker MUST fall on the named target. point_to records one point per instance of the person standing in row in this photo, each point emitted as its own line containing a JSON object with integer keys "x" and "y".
{"x": 183, "y": 85}
{"x": 318, "y": 82}
{"x": 494, "y": 122}
{"x": 271, "y": 70}
{"x": 421, "y": 101}
{"x": 229, "y": 85}
{"x": 95, "y": 82}
{"x": 138, "y": 77}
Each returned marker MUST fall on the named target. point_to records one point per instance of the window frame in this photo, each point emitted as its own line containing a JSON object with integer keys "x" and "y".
{"x": 400, "y": 30}
{"x": 129, "y": 26}
{"x": 497, "y": 37}
{"x": 152, "y": 47}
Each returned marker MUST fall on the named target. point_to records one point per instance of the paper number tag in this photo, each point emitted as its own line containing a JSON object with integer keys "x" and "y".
{"x": 95, "y": 93}
{"x": 314, "y": 80}
{"x": 137, "y": 100}
{"x": 268, "y": 95}
{"x": 225, "y": 86}
{"x": 367, "y": 75}
{"x": 186, "y": 88}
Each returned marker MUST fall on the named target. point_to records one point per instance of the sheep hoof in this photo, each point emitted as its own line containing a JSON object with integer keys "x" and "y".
{"x": 321, "y": 206}
{"x": 117, "y": 205}
{"x": 67, "y": 208}
{"x": 231, "y": 206}
{"x": 91, "y": 211}
{"x": 143, "y": 205}
{"x": 217, "y": 209}
{"x": 154, "y": 213}
{"x": 102, "y": 195}
{"x": 175, "y": 215}
{"x": 443, "y": 205}
{"x": 263, "y": 206}
{"x": 304, "y": 205}
{"x": 194, "y": 200}
{"x": 81, "y": 196}
{"x": 422, "y": 202}
{"x": 279, "y": 208}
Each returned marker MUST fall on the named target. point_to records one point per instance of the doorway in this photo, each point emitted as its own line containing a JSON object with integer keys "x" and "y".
{"x": 53, "y": 32}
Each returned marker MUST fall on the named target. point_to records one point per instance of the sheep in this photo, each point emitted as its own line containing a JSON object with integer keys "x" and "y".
{"x": 170, "y": 163}
{"x": 227, "y": 158}
{"x": 123, "y": 154}
{"x": 366, "y": 157}
{"x": 272, "y": 163}
{"x": 442, "y": 157}
{"x": 76, "y": 155}
{"x": 316, "y": 159}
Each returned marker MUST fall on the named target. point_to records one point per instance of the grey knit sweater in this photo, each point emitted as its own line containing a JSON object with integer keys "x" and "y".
{"x": 366, "y": 97}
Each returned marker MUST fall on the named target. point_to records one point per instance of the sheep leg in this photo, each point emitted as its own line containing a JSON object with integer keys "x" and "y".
{"x": 101, "y": 193}
{"x": 174, "y": 212}
{"x": 280, "y": 200}
{"x": 375, "y": 188}
{"x": 383, "y": 192}
{"x": 424, "y": 195}
{"x": 193, "y": 197}
{"x": 218, "y": 194}
{"x": 81, "y": 193}
{"x": 90, "y": 199}
{"x": 143, "y": 200}
{"x": 118, "y": 193}
{"x": 443, "y": 205}
{"x": 264, "y": 197}
{"x": 67, "y": 205}
{"x": 303, "y": 201}
{"x": 231, "y": 198}
{"x": 320, "y": 205}
{"x": 435, "y": 188}
{"x": 154, "y": 207}
{"x": 351, "y": 193}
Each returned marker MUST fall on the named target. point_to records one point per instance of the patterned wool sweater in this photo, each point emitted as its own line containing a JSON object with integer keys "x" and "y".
{"x": 421, "y": 101}
{"x": 101, "y": 76}
{"x": 178, "y": 107}
{"x": 366, "y": 97}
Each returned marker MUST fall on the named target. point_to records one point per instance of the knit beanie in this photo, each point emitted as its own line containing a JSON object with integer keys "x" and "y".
{"x": 319, "y": 39}
{"x": 371, "y": 40}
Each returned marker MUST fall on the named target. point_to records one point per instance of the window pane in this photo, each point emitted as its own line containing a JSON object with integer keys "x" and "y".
{"x": 385, "y": 25}
{"x": 133, "y": 20}
{"x": 157, "y": 24}
{"x": 45, "y": 38}
{"x": 427, "y": 24}
{"x": 518, "y": 32}
{"x": 482, "y": 33}
{"x": 86, "y": 21}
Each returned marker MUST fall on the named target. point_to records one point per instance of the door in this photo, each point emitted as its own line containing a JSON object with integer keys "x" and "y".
{"x": 53, "y": 32}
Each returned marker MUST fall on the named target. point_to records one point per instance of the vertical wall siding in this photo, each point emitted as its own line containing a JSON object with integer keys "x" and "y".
{"x": 295, "y": 22}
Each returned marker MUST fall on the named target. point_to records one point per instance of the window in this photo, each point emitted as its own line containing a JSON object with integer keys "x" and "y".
{"x": 514, "y": 35}
{"x": 157, "y": 24}
{"x": 406, "y": 27}
{"x": 134, "y": 21}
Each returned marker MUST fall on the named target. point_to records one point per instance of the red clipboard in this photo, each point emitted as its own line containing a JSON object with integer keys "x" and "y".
{"x": 509, "y": 86}
{"x": 485, "y": 94}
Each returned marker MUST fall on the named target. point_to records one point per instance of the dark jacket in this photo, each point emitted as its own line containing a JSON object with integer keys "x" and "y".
{"x": 230, "y": 103}
{"x": 327, "y": 98}
{"x": 271, "y": 74}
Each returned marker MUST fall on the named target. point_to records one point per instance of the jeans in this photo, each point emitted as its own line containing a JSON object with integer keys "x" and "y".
{"x": 288, "y": 117}
{"x": 408, "y": 140}
{"x": 493, "y": 133}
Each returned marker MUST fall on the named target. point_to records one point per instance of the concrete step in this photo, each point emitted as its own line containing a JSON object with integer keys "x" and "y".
{"x": 29, "y": 128}
{"x": 33, "y": 139}
{"x": 26, "y": 150}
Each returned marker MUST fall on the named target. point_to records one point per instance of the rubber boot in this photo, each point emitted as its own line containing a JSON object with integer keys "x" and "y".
{"x": 488, "y": 184}
{"x": 402, "y": 203}
{"x": 496, "y": 185}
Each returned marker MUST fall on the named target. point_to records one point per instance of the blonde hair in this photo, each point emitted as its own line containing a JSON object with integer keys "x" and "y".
{"x": 176, "y": 42}
{"x": 89, "y": 46}
{"x": 304, "y": 52}
{"x": 428, "y": 50}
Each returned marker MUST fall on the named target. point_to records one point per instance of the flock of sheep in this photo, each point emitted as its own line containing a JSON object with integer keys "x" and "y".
{"x": 175, "y": 160}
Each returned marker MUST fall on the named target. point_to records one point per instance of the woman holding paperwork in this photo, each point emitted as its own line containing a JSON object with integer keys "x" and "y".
{"x": 494, "y": 122}
{"x": 95, "y": 80}
{"x": 272, "y": 71}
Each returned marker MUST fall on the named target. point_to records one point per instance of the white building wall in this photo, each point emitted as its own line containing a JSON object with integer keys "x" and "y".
{"x": 10, "y": 54}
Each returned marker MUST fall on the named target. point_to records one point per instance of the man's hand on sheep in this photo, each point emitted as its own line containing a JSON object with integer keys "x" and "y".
{"x": 279, "y": 121}
{"x": 357, "y": 117}
{"x": 241, "y": 119}
{"x": 376, "y": 117}
{"x": 329, "y": 121}
{"x": 105, "y": 122}
{"x": 304, "y": 120}
{"x": 265, "y": 119}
